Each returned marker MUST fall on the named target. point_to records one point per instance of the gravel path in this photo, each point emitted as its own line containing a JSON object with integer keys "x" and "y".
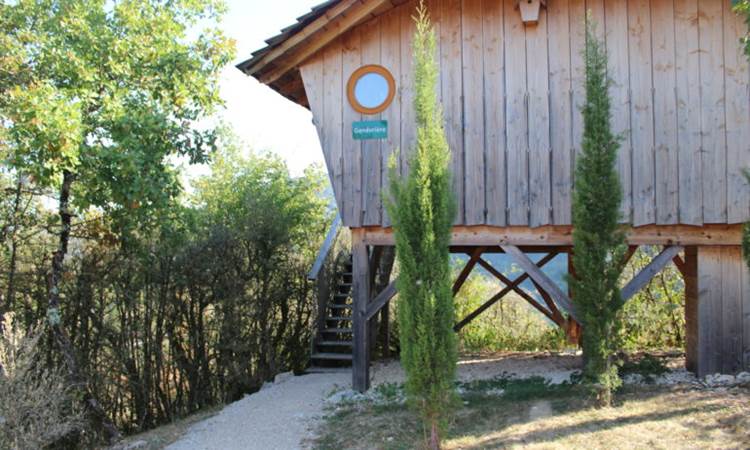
{"x": 280, "y": 416}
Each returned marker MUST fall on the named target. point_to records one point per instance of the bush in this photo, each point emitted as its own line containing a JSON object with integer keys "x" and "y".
{"x": 36, "y": 407}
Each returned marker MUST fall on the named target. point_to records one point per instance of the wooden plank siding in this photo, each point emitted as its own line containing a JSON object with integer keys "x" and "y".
{"x": 511, "y": 97}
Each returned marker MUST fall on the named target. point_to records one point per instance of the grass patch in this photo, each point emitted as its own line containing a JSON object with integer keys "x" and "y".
{"x": 531, "y": 413}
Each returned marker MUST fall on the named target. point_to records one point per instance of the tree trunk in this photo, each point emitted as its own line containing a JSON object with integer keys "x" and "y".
{"x": 7, "y": 305}
{"x": 434, "y": 436}
{"x": 93, "y": 408}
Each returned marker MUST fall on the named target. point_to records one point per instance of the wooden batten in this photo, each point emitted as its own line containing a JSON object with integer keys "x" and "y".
{"x": 551, "y": 236}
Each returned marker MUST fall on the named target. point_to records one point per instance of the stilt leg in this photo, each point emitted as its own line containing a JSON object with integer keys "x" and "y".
{"x": 362, "y": 283}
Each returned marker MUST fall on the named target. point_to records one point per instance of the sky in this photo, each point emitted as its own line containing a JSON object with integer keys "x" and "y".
{"x": 264, "y": 119}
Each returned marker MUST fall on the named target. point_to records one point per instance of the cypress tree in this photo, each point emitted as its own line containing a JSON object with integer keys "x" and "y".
{"x": 422, "y": 209}
{"x": 598, "y": 242}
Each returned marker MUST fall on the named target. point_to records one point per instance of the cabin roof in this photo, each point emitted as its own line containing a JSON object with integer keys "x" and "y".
{"x": 277, "y": 64}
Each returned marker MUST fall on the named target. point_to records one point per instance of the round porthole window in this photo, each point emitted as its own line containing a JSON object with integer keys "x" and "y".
{"x": 371, "y": 89}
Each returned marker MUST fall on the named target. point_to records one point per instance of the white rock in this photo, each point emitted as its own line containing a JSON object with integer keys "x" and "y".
{"x": 633, "y": 378}
{"x": 741, "y": 378}
{"x": 282, "y": 377}
{"x": 719, "y": 379}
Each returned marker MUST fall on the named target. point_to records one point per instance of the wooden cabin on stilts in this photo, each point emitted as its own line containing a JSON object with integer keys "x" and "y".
{"x": 511, "y": 86}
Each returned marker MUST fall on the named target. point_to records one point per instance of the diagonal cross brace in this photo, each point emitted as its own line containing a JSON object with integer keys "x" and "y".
{"x": 541, "y": 278}
{"x": 643, "y": 277}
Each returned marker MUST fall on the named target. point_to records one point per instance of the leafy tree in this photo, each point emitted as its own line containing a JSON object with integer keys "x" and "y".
{"x": 423, "y": 208}
{"x": 599, "y": 244}
{"x": 95, "y": 97}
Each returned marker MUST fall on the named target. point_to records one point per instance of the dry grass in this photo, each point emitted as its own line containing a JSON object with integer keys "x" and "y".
{"x": 528, "y": 416}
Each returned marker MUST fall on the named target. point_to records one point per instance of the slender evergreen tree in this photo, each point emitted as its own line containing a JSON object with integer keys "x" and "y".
{"x": 598, "y": 242}
{"x": 422, "y": 209}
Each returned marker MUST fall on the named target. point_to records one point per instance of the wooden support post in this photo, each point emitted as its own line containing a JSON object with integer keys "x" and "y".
{"x": 540, "y": 277}
{"x": 690, "y": 277}
{"x": 642, "y": 278}
{"x": 362, "y": 283}
{"x": 717, "y": 291}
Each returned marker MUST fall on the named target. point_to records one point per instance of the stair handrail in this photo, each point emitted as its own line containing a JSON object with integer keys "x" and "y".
{"x": 333, "y": 232}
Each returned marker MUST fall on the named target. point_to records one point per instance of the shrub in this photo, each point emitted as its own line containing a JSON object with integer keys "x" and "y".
{"x": 36, "y": 407}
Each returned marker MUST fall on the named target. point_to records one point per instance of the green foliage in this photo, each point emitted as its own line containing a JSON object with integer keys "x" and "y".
{"x": 198, "y": 311}
{"x": 742, "y": 7}
{"x": 508, "y": 325}
{"x": 599, "y": 244}
{"x": 108, "y": 92}
{"x": 422, "y": 209}
{"x": 654, "y": 318}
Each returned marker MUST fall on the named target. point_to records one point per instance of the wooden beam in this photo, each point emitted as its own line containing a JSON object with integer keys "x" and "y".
{"x": 540, "y": 277}
{"x": 500, "y": 294}
{"x": 461, "y": 279}
{"x": 561, "y": 235}
{"x": 644, "y": 276}
{"x": 557, "y": 317}
{"x": 300, "y": 36}
{"x": 330, "y": 32}
{"x": 381, "y": 300}
{"x": 333, "y": 231}
{"x": 361, "y": 284}
{"x": 680, "y": 264}
{"x": 516, "y": 287}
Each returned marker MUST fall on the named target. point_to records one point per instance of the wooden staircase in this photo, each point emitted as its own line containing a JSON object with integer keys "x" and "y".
{"x": 333, "y": 344}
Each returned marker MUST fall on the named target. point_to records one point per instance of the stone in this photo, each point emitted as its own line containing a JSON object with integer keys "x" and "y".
{"x": 743, "y": 377}
{"x": 718, "y": 379}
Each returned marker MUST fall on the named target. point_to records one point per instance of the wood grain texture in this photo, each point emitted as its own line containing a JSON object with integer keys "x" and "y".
{"x": 494, "y": 107}
{"x": 351, "y": 55}
{"x": 537, "y": 79}
{"x": 332, "y": 125}
{"x": 689, "y": 139}
{"x": 561, "y": 110}
{"x": 408, "y": 115}
{"x": 665, "y": 108}
{"x": 641, "y": 112}
{"x": 473, "y": 122}
{"x": 451, "y": 75}
{"x": 732, "y": 266}
{"x": 361, "y": 294}
{"x": 709, "y": 310}
{"x": 371, "y": 149}
{"x": 618, "y": 69}
{"x": 516, "y": 118}
{"x": 391, "y": 59}
{"x": 713, "y": 124}
{"x": 737, "y": 116}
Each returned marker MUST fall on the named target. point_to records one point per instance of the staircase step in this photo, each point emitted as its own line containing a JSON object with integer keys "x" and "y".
{"x": 335, "y": 343}
{"x": 334, "y": 306}
{"x": 339, "y": 318}
{"x": 335, "y": 356}
{"x": 338, "y": 330}
{"x": 340, "y": 295}
{"x": 345, "y": 284}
